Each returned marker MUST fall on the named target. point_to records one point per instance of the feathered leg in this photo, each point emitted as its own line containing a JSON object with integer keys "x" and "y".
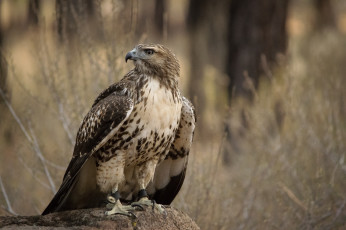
{"x": 145, "y": 174}
{"x": 109, "y": 175}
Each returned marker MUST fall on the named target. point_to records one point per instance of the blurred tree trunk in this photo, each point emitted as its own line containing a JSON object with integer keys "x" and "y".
{"x": 325, "y": 17}
{"x": 197, "y": 20}
{"x": 74, "y": 15}
{"x": 256, "y": 35}
{"x": 207, "y": 32}
{"x": 152, "y": 19}
{"x": 159, "y": 17}
{"x": 257, "y": 29}
{"x": 33, "y": 11}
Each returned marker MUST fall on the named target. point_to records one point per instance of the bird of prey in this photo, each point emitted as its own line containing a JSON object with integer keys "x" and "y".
{"x": 132, "y": 146}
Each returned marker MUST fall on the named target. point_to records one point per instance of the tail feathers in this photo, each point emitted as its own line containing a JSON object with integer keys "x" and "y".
{"x": 59, "y": 200}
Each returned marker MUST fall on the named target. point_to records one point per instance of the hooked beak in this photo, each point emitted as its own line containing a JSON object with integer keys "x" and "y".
{"x": 131, "y": 55}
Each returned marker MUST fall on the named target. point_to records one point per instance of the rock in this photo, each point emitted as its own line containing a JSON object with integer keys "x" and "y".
{"x": 96, "y": 219}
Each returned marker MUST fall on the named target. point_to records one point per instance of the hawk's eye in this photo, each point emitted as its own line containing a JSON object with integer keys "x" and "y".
{"x": 149, "y": 51}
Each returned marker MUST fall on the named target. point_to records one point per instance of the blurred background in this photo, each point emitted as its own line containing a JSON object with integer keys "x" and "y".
{"x": 268, "y": 79}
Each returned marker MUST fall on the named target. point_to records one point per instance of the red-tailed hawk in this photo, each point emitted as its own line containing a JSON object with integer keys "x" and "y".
{"x": 133, "y": 144}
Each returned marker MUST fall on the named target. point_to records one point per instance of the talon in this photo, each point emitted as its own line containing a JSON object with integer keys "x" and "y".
{"x": 153, "y": 202}
{"x": 138, "y": 206}
{"x": 133, "y": 215}
{"x": 162, "y": 209}
{"x": 146, "y": 202}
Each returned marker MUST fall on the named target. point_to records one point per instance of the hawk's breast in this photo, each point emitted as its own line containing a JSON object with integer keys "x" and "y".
{"x": 157, "y": 116}
{"x": 145, "y": 136}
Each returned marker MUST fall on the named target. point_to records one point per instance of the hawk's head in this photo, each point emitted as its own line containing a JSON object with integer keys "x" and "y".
{"x": 154, "y": 59}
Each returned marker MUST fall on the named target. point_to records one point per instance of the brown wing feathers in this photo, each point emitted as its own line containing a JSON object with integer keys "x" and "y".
{"x": 110, "y": 110}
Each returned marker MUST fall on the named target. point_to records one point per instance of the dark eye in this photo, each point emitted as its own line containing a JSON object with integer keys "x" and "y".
{"x": 149, "y": 51}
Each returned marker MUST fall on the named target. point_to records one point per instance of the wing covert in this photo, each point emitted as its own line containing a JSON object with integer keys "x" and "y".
{"x": 104, "y": 119}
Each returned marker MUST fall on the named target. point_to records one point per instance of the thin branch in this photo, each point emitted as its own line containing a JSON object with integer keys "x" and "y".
{"x": 32, "y": 173}
{"x": 19, "y": 122}
{"x": 293, "y": 197}
{"x": 249, "y": 84}
{"x": 59, "y": 167}
{"x": 31, "y": 138}
{"x": 215, "y": 167}
{"x": 42, "y": 159}
{"x": 54, "y": 92}
{"x": 8, "y": 203}
{"x": 35, "y": 98}
{"x": 339, "y": 211}
{"x": 264, "y": 63}
{"x": 65, "y": 121}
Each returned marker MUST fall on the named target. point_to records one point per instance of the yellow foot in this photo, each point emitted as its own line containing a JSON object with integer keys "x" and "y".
{"x": 145, "y": 202}
{"x": 118, "y": 208}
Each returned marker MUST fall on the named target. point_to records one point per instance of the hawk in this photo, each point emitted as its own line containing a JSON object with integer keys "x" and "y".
{"x": 132, "y": 146}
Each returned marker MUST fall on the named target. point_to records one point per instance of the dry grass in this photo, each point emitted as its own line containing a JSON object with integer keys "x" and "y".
{"x": 285, "y": 157}
{"x": 287, "y": 168}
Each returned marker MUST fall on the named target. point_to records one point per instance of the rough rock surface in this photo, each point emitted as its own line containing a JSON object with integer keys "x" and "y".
{"x": 95, "y": 219}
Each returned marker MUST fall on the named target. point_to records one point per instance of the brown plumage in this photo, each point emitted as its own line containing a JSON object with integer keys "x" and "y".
{"x": 134, "y": 141}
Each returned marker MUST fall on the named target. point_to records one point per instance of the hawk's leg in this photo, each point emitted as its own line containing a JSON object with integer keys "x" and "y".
{"x": 113, "y": 197}
{"x": 108, "y": 176}
{"x": 145, "y": 174}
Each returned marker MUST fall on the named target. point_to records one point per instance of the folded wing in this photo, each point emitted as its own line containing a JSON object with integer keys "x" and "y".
{"x": 110, "y": 110}
{"x": 170, "y": 173}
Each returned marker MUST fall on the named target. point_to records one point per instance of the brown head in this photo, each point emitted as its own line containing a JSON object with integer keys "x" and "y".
{"x": 154, "y": 59}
